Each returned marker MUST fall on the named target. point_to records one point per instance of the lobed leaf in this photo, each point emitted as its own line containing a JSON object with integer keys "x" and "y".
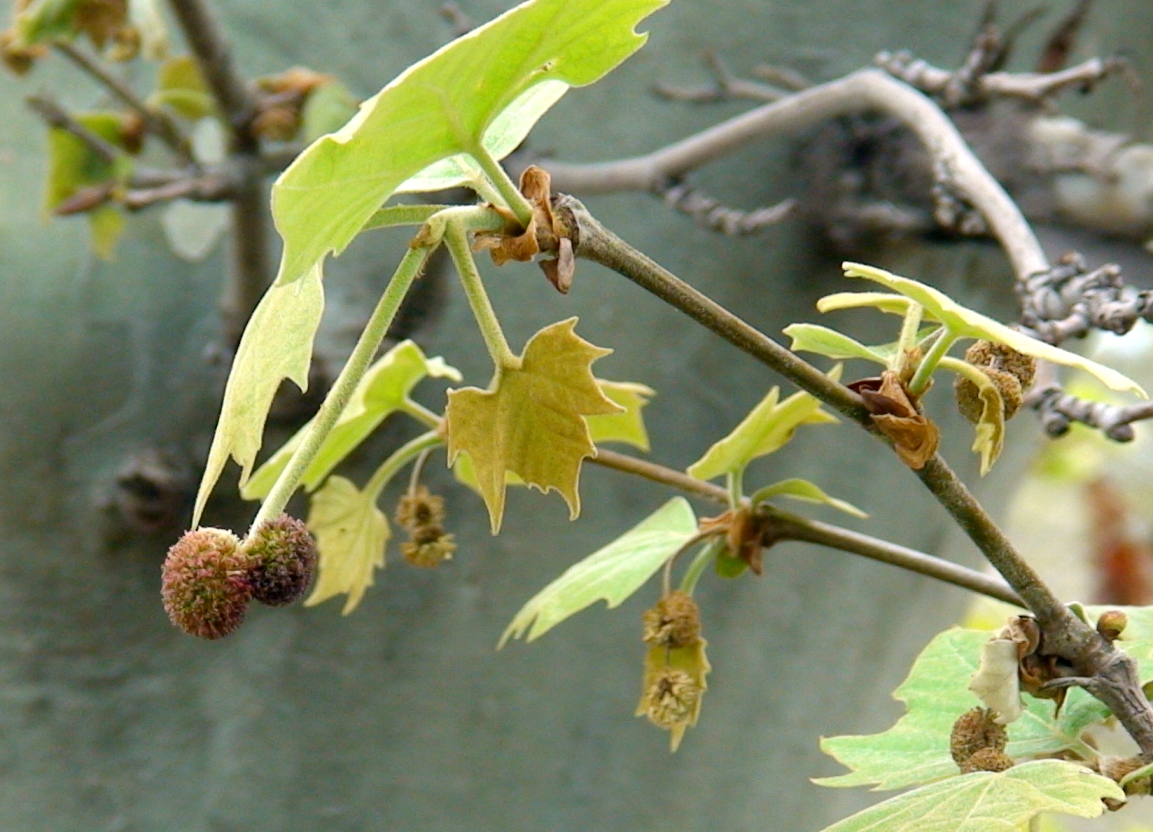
{"x": 964, "y": 322}
{"x": 382, "y": 391}
{"x": 531, "y": 419}
{"x": 986, "y": 801}
{"x": 441, "y": 107}
{"x": 277, "y": 344}
{"x": 180, "y": 85}
{"x": 351, "y": 535}
{"x": 612, "y": 573}
{"x": 990, "y": 427}
{"x": 767, "y": 428}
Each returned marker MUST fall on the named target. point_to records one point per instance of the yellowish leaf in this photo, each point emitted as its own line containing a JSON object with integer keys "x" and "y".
{"x": 531, "y": 419}
{"x": 627, "y": 426}
{"x": 351, "y": 535}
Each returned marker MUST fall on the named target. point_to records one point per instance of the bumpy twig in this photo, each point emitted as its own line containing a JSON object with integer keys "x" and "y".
{"x": 712, "y": 214}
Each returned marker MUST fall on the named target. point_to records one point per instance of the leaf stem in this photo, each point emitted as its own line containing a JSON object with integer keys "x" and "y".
{"x": 395, "y": 215}
{"x": 735, "y": 483}
{"x": 403, "y": 455}
{"x": 421, "y": 413}
{"x": 337, "y": 398}
{"x": 697, "y": 567}
{"x": 910, "y": 326}
{"x": 504, "y": 184}
{"x": 456, "y": 239}
{"x": 924, "y": 375}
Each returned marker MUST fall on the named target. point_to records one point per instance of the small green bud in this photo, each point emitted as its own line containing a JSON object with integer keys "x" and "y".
{"x": 204, "y": 583}
{"x": 282, "y": 558}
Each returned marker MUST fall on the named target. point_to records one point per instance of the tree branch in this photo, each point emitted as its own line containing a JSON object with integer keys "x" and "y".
{"x": 788, "y": 526}
{"x": 54, "y": 116}
{"x": 158, "y": 122}
{"x": 867, "y": 90}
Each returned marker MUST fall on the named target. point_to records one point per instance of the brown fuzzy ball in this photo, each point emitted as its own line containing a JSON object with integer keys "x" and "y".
{"x": 975, "y": 730}
{"x": 204, "y": 583}
{"x": 283, "y": 558}
{"x": 1010, "y": 371}
{"x": 420, "y": 508}
{"x": 987, "y": 759}
{"x": 674, "y": 622}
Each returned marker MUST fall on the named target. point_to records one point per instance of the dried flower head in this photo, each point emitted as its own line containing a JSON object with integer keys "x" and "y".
{"x": 419, "y": 508}
{"x": 976, "y": 730}
{"x": 1010, "y": 371}
{"x": 204, "y": 583}
{"x": 674, "y": 622}
{"x": 987, "y": 759}
{"x": 429, "y": 554}
{"x": 671, "y": 700}
{"x": 282, "y": 555}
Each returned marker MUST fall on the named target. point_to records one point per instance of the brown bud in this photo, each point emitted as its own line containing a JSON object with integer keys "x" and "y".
{"x": 282, "y": 557}
{"x": 278, "y": 123}
{"x": 674, "y": 622}
{"x": 672, "y": 698}
{"x": 975, "y": 730}
{"x": 1111, "y": 624}
{"x": 987, "y": 759}
{"x": 19, "y": 59}
{"x": 204, "y": 583}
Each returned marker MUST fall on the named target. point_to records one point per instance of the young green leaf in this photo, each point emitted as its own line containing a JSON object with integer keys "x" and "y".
{"x": 916, "y": 749}
{"x": 881, "y": 301}
{"x": 325, "y": 110}
{"x": 769, "y": 426}
{"x": 805, "y": 491}
{"x": 966, "y": 323}
{"x": 382, "y": 391}
{"x": 830, "y": 343}
{"x": 990, "y": 426}
{"x": 351, "y": 535}
{"x": 984, "y": 800}
{"x": 612, "y": 573}
{"x": 265, "y": 357}
{"x": 531, "y": 419}
{"x": 441, "y": 107}
{"x": 43, "y": 21}
{"x": 627, "y": 426}
{"x": 180, "y": 85}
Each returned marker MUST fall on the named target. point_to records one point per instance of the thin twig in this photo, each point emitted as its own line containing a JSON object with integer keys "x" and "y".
{"x": 794, "y": 527}
{"x": 54, "y": 116}
{"x": 218, "y": 186}
{"x": 788, "y": 526}
{"x": 158, "y": 122}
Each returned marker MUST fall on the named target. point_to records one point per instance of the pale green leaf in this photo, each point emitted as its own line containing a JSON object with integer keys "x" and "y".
{"x": 769, "y": 426}
{"x": 351, "y": 535}
{"x": 193, "y": 229}
{"x": 277, "y": 344}
{"x": 916, "y": 749}
{"x": 43, "y": 21}
{"x": 805, "y": 491}
{"x": 501, "y": 138}
{"x": 325, "y": 110}
{"x": 612, "y": 573}
{"x": 627, "y": 426}
{"x": 383, "y": 390}
{"x": 146, "y": 17}
{"x": 882, "y": 301}
{"x": 73, "y": 165}
{"x": 990, "y": 802}
{"x": 106, "y": 225}
{"x": 990, "y": 427}
{"x": 531, "y": 419}
{"x": 965, "y": 322}
{"x": 830, "y": 343}
{"x": 441, "y": 107}
{"x": 180, "y": 85}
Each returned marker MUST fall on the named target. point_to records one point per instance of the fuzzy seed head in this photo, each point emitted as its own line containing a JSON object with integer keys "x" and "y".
{"x": 674, "y": 622}
{"x": 204, "y": 583}
{"x": 283, "y": 557}
{"x": 987, "y": 759}
{"x": 418, "y": 509}
{"x": 429, "y": 553}
{"x": 1010, "y": 371}
{"x": 976, "y": 730}
{"x": 672, "y": 698}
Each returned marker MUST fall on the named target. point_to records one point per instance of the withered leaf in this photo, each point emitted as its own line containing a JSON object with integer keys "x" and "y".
{"x": 896, "y": 415}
